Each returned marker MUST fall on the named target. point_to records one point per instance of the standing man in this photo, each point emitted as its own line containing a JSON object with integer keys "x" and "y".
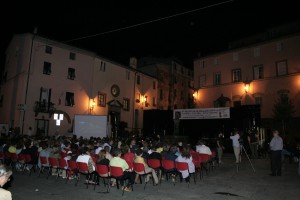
{"x": 220, "y": 147}
{"x": 276, "y": 146}
{"x": 236, "y": 146}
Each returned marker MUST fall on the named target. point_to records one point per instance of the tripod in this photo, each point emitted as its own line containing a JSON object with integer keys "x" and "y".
{"x": 241, "y": 151}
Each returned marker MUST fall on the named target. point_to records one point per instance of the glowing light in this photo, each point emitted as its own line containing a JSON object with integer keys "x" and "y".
{"x": 58, "y": 117}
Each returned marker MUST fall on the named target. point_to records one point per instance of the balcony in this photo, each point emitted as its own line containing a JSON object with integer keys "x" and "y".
{"x": 44, "y": 107}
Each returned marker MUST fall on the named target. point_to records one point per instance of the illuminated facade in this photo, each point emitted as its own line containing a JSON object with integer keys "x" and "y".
{"x": 67, "y": 80}
{"x": 260, "y": 74}
{"x": 175, "y": 82}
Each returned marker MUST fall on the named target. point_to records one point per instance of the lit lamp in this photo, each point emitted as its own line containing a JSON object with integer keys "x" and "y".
{"x": 92, "y": 105}
{"x": 58, "y": 117}
{"x": 247, "y": 86}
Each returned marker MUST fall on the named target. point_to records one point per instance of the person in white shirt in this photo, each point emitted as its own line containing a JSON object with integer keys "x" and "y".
{"x": 202, "y": 148}
{"x": 236, "y": 146}
{"x": 186, "y": 157}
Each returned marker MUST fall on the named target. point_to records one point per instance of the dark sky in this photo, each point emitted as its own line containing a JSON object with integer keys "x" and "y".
{"x": 207, "y": 30}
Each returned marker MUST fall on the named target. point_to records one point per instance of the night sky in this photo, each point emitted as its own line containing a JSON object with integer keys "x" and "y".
{"x": 154, "y": 28}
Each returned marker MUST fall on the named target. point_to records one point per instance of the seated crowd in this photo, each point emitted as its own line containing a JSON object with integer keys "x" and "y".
{"x": 120, "y": 152}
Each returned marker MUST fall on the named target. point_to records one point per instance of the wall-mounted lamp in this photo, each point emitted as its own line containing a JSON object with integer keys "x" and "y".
{"x": 142, "y": 99}
{"x": 92, "y": 105}
{"x": 58, "y": 117}
{"x": 247, "y": 86}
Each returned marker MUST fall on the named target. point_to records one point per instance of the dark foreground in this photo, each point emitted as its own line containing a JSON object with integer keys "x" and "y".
{"x": 224, "y": 182}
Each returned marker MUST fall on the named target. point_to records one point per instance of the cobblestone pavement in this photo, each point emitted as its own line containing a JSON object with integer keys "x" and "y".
{"x": 224, "y": 182}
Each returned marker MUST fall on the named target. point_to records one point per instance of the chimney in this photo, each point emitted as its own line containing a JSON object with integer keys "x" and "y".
{"x": 133, "y": 62}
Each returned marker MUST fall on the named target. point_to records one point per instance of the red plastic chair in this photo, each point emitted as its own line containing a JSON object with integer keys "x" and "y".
{"x": 117, "y": 173}
{"x": 197, "y": 162}
{"x": 102, "y": 171}
{"x": 28, "y": 162}
{"x": 156, "y": 165}
{"x": 169, "y": 168}
{"x": 183, "y": 166}
{"x": 63, "y": 166}
{"x": 44, "y": 165}
{"x": 53, "y": 164}
{"x": 139, "y": 168}
{"x": 205, "y": 161}
{"x": 83, "y": 169}
{"x": 73, "y": 168}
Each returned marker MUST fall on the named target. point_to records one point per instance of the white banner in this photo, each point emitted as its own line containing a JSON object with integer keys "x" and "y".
{"x": 203, "y": 113}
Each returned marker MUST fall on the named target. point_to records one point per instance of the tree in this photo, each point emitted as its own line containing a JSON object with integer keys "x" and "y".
{"x": 283, "y": 111}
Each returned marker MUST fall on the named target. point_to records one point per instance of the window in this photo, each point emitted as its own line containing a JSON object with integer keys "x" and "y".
{"x": 182, "y": 70}
{"x": 1, "y": 100}
{"x": 138, "y": 79}
{"x": 256, "y": 52}
{"x": 181, "y": 95}
{"x": 48, "y": 49}
{"x": 47, "y": 68}
{"x": 72, "y": 56}
{"x": 71, "y": 73}
{"x": 202, "y": 81}
{"x": 284, "y": 96}
{"x": 175, "y": 93}
{"x": 154, "y": 101}
{"x": 217, "y": 78}
{"x": 126, "y": 104}
{"x": 102, "y": 66}
{"x": 154, "y": 85}
{"x": 236, "y": 75}
{"x": 258, "y": 100}
{"x": 258, "y": 72}
{"x": 127, "y": 75}
{"x": 69, "y": 99}
{"x": 281, "y": 68}
{"x": 161, "y": 94}
{"x": 101, "y": 99}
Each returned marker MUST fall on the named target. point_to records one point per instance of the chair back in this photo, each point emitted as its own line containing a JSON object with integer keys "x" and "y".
{"x": 102, "y": 169}
{"x": 213, "y": 154}
{"x": 196, "y": 159}
{"x": 130, "y": 165}
{"x": 53, "y": 162}
{"x": 154, "y": 163}
{"x": 204, "y": 157}
{"x": 181, "y": 166}
{"x": 13, "y": 157}
{"x": 62, "y": 154}
{"x": 168, "y": 164}
{"x": 72, "y": 165}
{"x": 44, "y": 161}
{"x": 21, "y": 157}
{"x": 116, "y": 171}
{"x": 139, "y": 167}
{"x": 62, "y": 163}
{"x": 82, "y": 167}
{"x": 27, "y": 158}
